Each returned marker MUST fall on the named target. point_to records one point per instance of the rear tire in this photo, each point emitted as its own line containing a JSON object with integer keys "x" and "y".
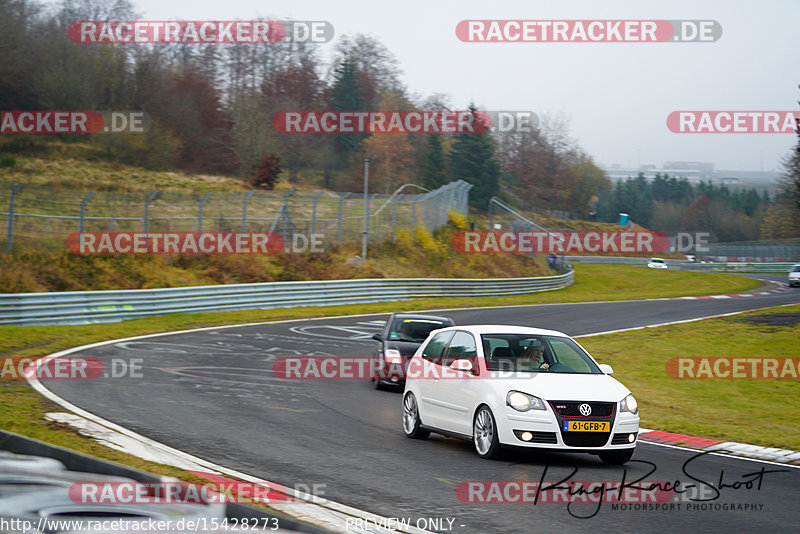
{"x": 411, "y": 421}
{"x": 616, "y": 457}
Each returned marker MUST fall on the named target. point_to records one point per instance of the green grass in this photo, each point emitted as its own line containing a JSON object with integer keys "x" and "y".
{"x": 758, "y": 411}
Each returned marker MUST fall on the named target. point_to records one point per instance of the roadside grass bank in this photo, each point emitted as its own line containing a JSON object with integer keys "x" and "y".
{"x": 756, "y": 411}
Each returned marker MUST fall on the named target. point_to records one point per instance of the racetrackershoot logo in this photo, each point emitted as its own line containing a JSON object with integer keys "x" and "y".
{"x": 567, "y": 242}
{"x": 199, "y": 32}
{"x": 588, "y": 31}
{"x": 733, "y": 122}
{"x": 734, "y": 368}
{"x": 74, "y": 122}
{"x": 192, "y": 243}
{"x": 70, "y": 368}
{"x": 404, "y": 122}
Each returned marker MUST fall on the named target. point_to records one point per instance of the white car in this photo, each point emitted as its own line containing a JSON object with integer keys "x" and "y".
{"x": 794, "y": 275}
{"x": 518, "y": 386}
{"x": 657, "y": 263}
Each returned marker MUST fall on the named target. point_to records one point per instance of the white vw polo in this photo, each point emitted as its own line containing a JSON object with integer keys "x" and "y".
{"x": 510, "y": 385}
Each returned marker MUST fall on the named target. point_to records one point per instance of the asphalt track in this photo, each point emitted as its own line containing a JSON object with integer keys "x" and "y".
{"x": 212, "y": 394}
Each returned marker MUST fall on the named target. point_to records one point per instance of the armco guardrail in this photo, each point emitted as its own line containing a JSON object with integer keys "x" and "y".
{"x": 741, "y": 267}
{"x": 85, "y": 307}
{"x": 684, "y": 265}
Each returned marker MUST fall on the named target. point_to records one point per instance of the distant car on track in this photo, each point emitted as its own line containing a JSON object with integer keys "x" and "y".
{"x": 400, "y": 338}
{"x": 657, "y": 263}
{"x": 794, "y": 275}
{"x": 517, "y": 386}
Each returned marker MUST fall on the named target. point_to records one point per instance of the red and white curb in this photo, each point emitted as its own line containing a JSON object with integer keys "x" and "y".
{"x": 733, "y": 448}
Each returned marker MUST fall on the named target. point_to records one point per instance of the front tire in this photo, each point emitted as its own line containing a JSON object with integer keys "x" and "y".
{"x": 616, "y": 457}
{"x": 411, "y": 421}
{"x": 484, "y": 434}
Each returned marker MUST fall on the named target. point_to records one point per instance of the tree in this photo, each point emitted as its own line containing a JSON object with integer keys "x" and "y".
{"x": 346, "y": 95}
{"x": 472, "y": 160}
{"x": 434, "y": 173}
{"x": 268, "y": 173}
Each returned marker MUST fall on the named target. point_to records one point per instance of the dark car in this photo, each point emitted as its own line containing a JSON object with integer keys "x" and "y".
{"x": 399, "y": 340}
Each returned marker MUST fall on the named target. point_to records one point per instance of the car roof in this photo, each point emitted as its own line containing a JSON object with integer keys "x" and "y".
{"x": 503, "y": 329}
{"x": 421, "y": 316}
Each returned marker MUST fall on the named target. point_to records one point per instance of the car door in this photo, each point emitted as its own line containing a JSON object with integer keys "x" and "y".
{"x": 457, "y": 391}
{"x": 431, "y": 360}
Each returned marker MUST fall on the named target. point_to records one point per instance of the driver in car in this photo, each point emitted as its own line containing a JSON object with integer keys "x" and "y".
{"x": 533, "y": 358}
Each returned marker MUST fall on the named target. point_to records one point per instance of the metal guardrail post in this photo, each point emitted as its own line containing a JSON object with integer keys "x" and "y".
{"x": 147, "y": 201}
{"x": 83, "y": 210}
{"x": 244, "y": 209}
{"x": 200, "y": 212}
{"x": 10, "y": 220}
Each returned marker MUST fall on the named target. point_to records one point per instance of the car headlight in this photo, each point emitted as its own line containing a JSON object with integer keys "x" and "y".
{"x": 629, "y": 404}
{"x": 522, "y": 402}
{"x": 392, "y": 356}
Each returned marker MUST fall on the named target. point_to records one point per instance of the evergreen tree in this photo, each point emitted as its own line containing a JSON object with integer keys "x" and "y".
{"x": 435, "y": 169}
{"x": 472, "y": 160}
{"x": 346, "y": 95}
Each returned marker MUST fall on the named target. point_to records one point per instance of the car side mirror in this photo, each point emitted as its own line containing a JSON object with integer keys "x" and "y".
{"x": 607, "y": 369}
{"x": 377, "y": 337}
{"x": 461, "y": 365}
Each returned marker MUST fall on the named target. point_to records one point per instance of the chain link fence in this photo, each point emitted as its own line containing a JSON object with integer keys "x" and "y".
{"x": 41, "y": 215}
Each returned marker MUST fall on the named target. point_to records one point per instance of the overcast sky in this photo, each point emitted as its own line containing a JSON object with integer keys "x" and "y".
{"x": 616, "y": 96}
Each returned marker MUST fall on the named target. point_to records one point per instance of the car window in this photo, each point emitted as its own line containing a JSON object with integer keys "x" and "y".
{"x": 462, "y": 347}
{"x": 796, "y": 269}
{"x": 413, "y": 330}
{"x": 435, "y": 348}
{"x": 566, "y": 354}
{"x": 527, "y": 354}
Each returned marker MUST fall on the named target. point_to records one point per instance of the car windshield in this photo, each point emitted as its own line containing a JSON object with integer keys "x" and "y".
{"x": 656, "y": 260}
{"x": 413, "y": 330}
{"x": 796, "y": 269}
{"x": 536, "y": 354}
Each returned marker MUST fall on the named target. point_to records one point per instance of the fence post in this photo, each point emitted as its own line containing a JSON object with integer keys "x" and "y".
{"x": 147, "y": 200}
{"x": 341, "y": 201}
{"x": 200, "y": 212}
{"x": 394, "y": 218}
{"x": 314, "y": 213}
{"x": 83, "y": 210}
{"x": 244, "y": 209}
{"x": 10, "y": 220}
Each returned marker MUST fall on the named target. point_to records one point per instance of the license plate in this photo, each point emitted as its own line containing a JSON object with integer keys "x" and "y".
{"x": 587, "y": 426}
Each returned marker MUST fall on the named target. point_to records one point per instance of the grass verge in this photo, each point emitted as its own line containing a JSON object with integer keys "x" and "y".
{"x": 758, "y": 411}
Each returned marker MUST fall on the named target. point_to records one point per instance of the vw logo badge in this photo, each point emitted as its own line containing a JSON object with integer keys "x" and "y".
{"x": 585, "y": 410}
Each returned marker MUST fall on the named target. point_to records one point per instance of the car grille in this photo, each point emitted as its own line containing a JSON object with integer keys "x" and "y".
{"x": 570, "y": 408}
{"x": 585, "y": 439}
{"x": 538, "y": 437}
{"x": 622, "y": 439}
